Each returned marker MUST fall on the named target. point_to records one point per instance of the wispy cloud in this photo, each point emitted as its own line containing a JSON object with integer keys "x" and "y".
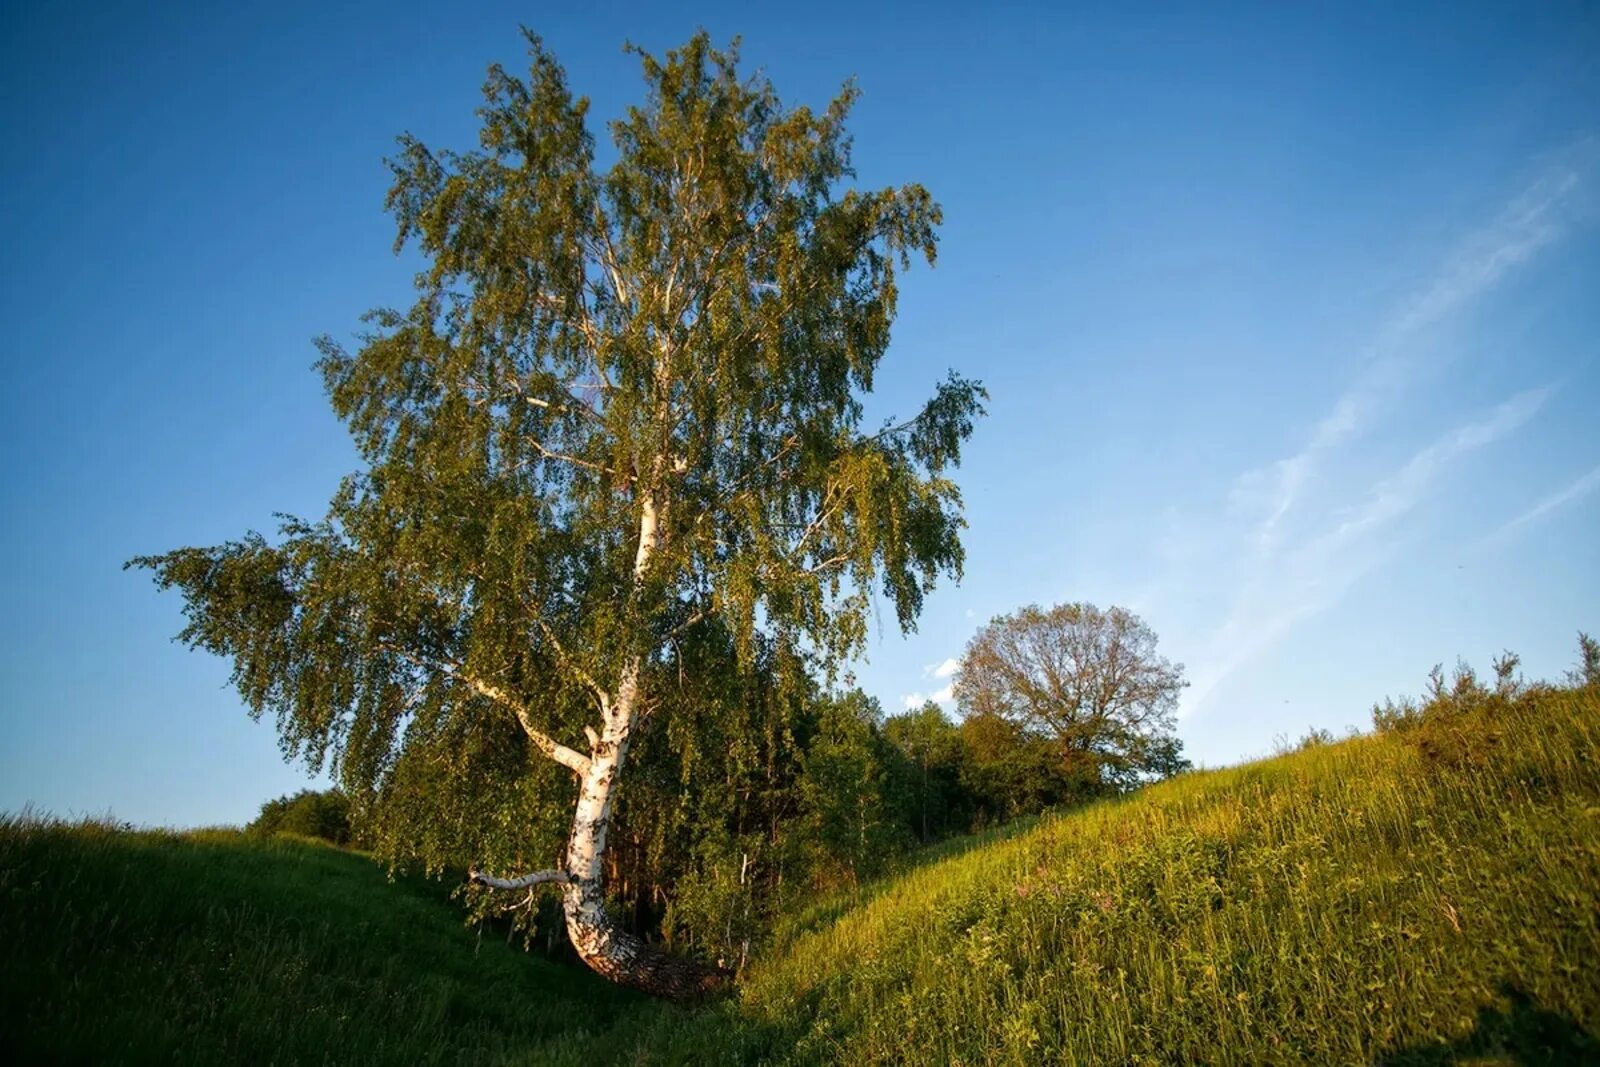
{"x": 1534, "y": 219}
{"x": 1577, "y": 490}
{"x": 1303, "y": 579}
{"x": 1398, "y": 493}
{"x": 1308, "y": 577}
{"x": 1291, "y": 550}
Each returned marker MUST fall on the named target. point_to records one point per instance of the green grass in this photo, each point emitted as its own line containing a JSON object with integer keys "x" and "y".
{"x": 217, "y": 947}
{"x": 1375, "y": 900}
{"x": 1356, "y": 902}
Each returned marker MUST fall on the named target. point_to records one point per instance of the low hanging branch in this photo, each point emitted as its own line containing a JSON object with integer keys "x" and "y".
{"x": 572, "y": 759}
{"x": 536, "y": 878}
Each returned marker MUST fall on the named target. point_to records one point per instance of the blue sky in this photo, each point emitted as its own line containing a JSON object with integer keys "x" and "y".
{"x": 1289, "y": 318}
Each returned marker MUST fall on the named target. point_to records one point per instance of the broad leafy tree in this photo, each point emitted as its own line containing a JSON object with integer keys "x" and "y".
{"x": 624, "y": 407}
{"x": 1090, "y": 680}
{"x": 309, "y": 813}
{"x": 1009, "y": 770}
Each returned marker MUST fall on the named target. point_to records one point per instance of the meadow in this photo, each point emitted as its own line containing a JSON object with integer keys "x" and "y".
{"x": 215, "y": 946}
{"x": 1411, "y": 898}
{"x": 1426, "y": 894}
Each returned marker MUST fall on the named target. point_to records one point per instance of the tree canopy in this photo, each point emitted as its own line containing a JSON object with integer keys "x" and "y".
{"x": 614, "y": 444}
{"x": 1089, "y": 679}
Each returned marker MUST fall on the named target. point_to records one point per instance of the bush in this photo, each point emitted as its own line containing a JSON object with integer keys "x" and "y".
{"x": 1315, "y": 737}
{"x": 308, "y": 813}
{"x": 1587, "y": 673}
{"x": 1456, "y": 724}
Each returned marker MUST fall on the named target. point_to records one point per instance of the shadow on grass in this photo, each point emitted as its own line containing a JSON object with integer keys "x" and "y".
{"x": 151, "y": 946}
{"x": 1524, "y": 1034}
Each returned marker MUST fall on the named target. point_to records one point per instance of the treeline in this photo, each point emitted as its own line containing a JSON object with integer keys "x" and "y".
{"x": 839, "y": 794}
{"x": 748, "y": 806}
{"x": 315, "y": 813}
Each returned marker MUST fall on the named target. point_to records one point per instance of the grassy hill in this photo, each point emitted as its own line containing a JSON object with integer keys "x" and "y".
{"x": 1410, "y": 897}
{"x": 1427, "y": 895}
{"x": 217, "y": 947}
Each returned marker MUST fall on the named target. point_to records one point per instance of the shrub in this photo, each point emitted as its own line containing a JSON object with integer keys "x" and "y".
{"x": 1587, "y": 673}
{"x": 308, "y": 813}
{"x": 1455, "y": 724}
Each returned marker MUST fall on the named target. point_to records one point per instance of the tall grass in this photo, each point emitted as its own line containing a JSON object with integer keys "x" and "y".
{"x": 221, "y": 947}
{"x": 1379, "y": 899}
{"x": 1426, "y": 894}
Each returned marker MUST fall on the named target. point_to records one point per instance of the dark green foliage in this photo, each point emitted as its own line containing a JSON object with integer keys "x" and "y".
{"x": 955, "y": 778}
{"x": 935, "y": 798}
{"x": 850, "y": 819}
{"x": 323, "y": 814}
{"x": 1010, "y": 771}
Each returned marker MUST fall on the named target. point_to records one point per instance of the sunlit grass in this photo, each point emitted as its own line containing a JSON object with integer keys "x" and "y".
{"x": 1352, "y": 903}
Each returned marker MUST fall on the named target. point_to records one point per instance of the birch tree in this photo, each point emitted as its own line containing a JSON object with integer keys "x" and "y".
{"x": 626, "y": 404}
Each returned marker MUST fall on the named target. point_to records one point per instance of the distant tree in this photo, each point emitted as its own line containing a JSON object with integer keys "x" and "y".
{"x": 624, "y": 408}
{"x": 846, "y": 790}
{"x": 1090, "y": 680}
{"x": 932, "y": 797}
{"x": 1008, "y": 770}
{"x": 308, "y": 813}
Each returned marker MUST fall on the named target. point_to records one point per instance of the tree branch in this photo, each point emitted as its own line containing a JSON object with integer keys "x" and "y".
{"x": 832, "y": 561}
{"x": 546, "y": 453}
{"x": 700, "y": 615}
{"x": 572, "y": 665}
{"x": 527, "y": 880}
{"x": 572, "y": 401}
{"x": 572, "y": 759}
{"x": 825, "y": 511}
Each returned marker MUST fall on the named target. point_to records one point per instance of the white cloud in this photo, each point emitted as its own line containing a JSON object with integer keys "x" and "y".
{"x": 943, "y": 697}
{"x": 1286, "y": 549}
{"x": 1577, "y": 490}
{"x": 1296, "y": 581}
{"x": 1534, "y": 219}
{"x": 1397, "y": 494}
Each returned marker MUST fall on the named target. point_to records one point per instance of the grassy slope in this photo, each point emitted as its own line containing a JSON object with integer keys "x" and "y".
{"x": 1351, "y": 903}
{"x": 1356, "y": 902}
{"x": 213, "y": 947}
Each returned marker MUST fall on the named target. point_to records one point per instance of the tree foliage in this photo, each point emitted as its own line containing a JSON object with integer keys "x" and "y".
{"x": 934, "y": 801}
{"x": 323, "y": 814}
{"x": 1088, "y": 679}
{"x": 613, "y": 455}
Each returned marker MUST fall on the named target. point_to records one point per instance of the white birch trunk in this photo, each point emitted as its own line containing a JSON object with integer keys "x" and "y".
{"x": 605, "y": 947}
